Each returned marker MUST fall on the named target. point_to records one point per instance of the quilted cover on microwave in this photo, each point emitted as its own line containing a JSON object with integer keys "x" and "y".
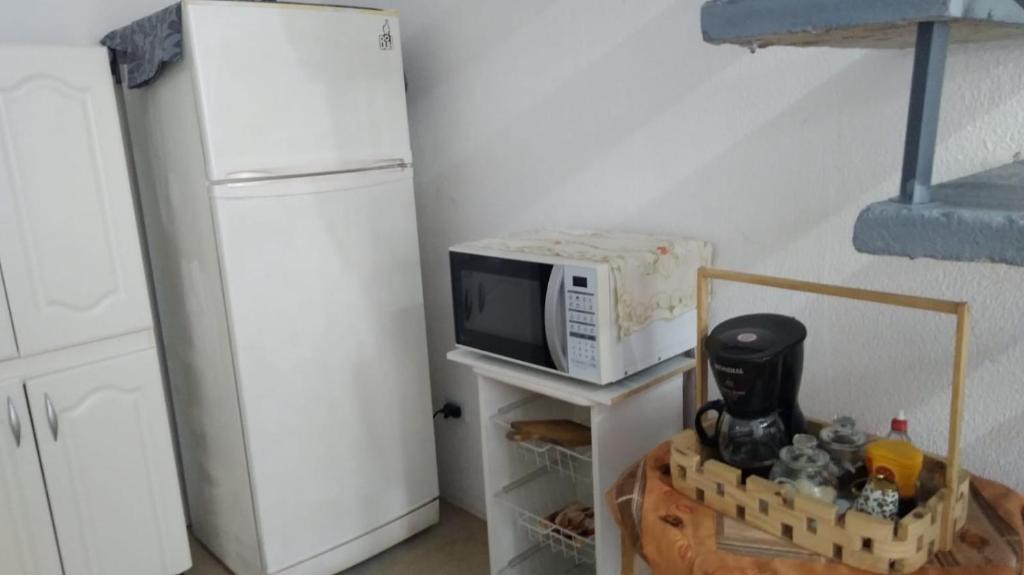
{"x": 654, "y": 276}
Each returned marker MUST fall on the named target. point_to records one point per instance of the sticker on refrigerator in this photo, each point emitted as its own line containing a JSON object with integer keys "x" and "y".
{"x": 386, "y": 43}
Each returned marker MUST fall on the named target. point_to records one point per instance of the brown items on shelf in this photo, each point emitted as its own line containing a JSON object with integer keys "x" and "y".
{"x": 575, "y": 519}
{"x": 562, "y": 432}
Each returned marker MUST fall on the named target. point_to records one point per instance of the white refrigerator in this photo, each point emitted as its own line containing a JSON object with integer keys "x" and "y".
{"x": 275, "y": 180}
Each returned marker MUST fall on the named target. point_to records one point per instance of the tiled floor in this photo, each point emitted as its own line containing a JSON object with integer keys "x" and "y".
{"x": 456, "y": 546}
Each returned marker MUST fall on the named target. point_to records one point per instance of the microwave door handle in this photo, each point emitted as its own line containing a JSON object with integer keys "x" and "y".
{"x": 554, "y": 319}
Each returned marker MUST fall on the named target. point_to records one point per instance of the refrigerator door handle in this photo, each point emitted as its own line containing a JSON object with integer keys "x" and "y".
{"x": 253, "y": 175}
{"x": 398, "y": 163}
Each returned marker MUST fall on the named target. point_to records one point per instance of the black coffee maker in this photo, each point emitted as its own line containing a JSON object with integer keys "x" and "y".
{"x": 757, "y": 361}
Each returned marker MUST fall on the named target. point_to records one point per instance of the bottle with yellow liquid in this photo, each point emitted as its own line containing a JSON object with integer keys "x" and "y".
{"x": 897, "y": 459}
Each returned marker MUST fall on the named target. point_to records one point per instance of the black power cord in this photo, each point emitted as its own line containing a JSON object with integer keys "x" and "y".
{"x": 449, "y": 410}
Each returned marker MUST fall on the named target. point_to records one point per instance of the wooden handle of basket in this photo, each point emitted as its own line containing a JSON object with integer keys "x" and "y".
{"x": 958, "y": 309}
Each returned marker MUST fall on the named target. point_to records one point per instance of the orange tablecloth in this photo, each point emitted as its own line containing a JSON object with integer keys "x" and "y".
{"x": 678, "y": 536}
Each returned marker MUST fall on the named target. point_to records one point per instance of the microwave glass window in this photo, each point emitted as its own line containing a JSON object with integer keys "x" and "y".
{"x": 504, "y": 306}
{"x": 499, "y": 306}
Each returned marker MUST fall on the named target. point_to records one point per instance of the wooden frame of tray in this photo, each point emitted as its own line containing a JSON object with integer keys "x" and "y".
{"x": 856, "y": 539}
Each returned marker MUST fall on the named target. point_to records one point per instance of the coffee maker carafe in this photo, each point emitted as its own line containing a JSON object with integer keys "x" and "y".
{"x": 757, "y": 362}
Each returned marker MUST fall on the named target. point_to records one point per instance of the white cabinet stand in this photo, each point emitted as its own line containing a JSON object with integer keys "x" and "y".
{"x": 527, "y": 481}
{"x": 88, "y": 484}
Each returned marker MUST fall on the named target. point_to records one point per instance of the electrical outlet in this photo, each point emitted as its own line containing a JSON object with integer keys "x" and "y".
{"x": 450, "y": 410}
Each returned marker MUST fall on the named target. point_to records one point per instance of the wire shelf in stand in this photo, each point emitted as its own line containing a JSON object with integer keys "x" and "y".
{"x": 530, "y": 561}
{"x": 529, "y": 498}
{"x": 574, "y": 463}
{"x": 581, "y": 569}
{"x": 578, "y": 548}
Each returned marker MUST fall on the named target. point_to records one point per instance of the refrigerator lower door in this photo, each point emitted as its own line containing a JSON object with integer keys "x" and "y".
{"x": 325, "y": 304}
{"x": 292, "y": 89}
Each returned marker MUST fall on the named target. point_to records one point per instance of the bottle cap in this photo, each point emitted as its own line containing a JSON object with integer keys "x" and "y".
{"x": 804, "y": 441}
{"x": 880, "y": 482}
{"x": 899, "y": 423}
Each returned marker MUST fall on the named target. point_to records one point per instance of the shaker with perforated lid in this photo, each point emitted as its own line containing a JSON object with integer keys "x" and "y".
{"x": 880, "y": 498}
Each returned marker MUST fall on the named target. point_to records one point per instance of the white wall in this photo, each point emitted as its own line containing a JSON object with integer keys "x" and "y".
{"x": 68, "y": 21}
{"x": 613, "y": 114}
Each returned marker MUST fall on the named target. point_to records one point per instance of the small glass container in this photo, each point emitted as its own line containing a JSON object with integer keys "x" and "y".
{"x": 880, "y": 498}
{"x": 845, "y": 445}
{"x": 805, "y": 469}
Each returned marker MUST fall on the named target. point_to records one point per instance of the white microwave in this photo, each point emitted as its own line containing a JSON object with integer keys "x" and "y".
{"x": 555, "y": 314}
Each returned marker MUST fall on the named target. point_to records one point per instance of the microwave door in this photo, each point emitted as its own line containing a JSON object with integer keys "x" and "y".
{"x": 500, "y": 306}
{"x": 554, "y": 319}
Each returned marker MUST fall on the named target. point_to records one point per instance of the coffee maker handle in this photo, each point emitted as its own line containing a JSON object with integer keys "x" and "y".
{"x": 717, "y": 406}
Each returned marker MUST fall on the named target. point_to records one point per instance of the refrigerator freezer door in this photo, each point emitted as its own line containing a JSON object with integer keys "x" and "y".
{"x": 325, "y": 301}
{"x": 291, "y": 89}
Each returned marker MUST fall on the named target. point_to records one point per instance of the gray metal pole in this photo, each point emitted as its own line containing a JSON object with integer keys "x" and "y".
{"x": 923, "y": 118}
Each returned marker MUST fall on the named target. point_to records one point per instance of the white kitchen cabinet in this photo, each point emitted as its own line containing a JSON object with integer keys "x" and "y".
{"x": 526, "y": 481}
{"x": 69, "y": 245}
{"x": 105, "y": 446}
{"x": 27, "y": 544}
{"x": 8, "y": 345}
{"x": 88, "y": 484}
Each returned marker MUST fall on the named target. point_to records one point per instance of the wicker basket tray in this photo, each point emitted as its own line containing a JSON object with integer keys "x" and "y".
{"x": 856, "y": 539}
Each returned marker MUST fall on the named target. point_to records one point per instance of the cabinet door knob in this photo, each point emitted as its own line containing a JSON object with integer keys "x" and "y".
{"x": 14, "y": 421}
{"x": 51, "y": 415}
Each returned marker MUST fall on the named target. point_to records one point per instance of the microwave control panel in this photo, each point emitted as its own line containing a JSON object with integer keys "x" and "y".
{"x": 581, "y": 314}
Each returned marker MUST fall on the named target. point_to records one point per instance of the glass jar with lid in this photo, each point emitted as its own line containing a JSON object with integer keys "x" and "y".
{"x": 805, "y": 469}
{"x": 845, "y": 445}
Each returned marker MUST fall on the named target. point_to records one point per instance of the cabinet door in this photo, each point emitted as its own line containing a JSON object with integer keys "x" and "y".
{"x": 27, "y": 544}
{"x": 104, "y": 440}
{"x": 69, "y": 244}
